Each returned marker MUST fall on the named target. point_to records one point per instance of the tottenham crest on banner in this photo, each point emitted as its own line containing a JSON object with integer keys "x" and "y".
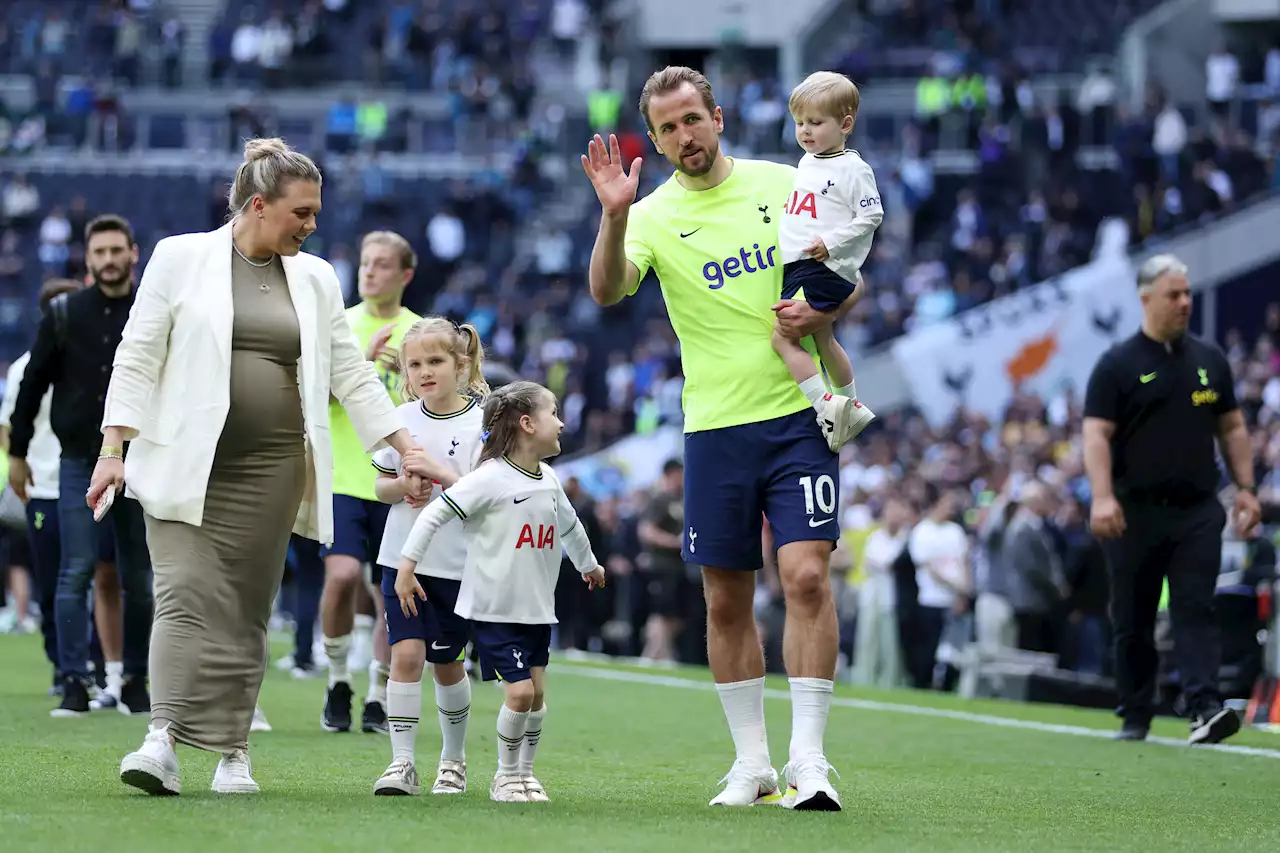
{"x": 1040, "y": 339}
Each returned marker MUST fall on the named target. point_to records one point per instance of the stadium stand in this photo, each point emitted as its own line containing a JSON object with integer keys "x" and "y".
{"x": 1005, "y": 147}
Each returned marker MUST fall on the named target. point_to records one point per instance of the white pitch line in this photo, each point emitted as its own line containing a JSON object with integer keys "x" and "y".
{"x": 912, "y": 710}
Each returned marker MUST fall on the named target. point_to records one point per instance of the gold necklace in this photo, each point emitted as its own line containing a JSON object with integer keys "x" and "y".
{"x": 264, "y": 265}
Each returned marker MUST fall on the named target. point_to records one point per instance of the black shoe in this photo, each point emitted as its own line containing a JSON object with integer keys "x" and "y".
{"x": 374, "y": 718}
{"x": 1133, "y": 731}
{"x": 337, "y": 709}
{"x": 75, "y": 699}
{"x": 1214, "y": 726}
{"x": 99, "y": 675}
{"x": 134, "y": 698}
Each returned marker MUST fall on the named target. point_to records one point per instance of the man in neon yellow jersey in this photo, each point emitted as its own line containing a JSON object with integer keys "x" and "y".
{"x": 379, "y": 322}
{"x": 753, "y": 446}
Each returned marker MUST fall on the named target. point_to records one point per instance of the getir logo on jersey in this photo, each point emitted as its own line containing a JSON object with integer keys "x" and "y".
{"x": 747, "y": 261}
{"x": 545, "y": 537}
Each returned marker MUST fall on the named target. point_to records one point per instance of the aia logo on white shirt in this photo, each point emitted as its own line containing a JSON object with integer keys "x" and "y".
{"x": 800, "y": 203}
{"x": 545, "y": 537}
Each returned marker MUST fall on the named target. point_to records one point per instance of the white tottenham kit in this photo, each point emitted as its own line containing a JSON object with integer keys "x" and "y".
{"x": 44, "y": 455}
{"x": 453, "y": 439}
{"x": 516, "y": 522}
{"x": 835, "y": 198}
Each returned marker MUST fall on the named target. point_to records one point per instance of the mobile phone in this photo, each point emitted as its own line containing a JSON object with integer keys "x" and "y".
{"x": 104, "y": 503}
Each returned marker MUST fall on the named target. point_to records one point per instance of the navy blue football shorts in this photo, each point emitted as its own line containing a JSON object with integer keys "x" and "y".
{"x": 824, "y": 289}
{"x": 445, "y": 632}
{"x": 780, "y": 469}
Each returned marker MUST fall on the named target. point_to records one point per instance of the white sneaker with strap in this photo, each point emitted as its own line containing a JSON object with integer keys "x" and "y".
{"x": 451, "y": 777}
{"x": 400, "y": 779}
{"x": 749, "y": 783}
{"x": 534, "y": 791}
{"x": 234, "y": 775}
{"x": 153, "y": 767}
{"x": 508, "y": 789}
{"x": 842, "y": 419}
{"x": 808, "y": 786}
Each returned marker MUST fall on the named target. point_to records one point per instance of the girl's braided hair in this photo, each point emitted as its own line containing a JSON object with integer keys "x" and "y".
{"x": 502, "y": 412}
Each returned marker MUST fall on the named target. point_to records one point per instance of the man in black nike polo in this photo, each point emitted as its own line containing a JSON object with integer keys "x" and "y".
{"x": 1155, "y": 406}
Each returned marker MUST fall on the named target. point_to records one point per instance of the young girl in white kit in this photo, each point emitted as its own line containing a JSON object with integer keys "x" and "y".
{"x": 441, "y": 365}
{"x": 516, "y": 518}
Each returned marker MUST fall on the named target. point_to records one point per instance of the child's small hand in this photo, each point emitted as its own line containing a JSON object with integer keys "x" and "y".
{"x": 417, "y": 491}
{"x": 408, "y": 589}
{"x": 594, "y": 579}
{"x": 817, "y": 250}
{"x": 418, "y": 461}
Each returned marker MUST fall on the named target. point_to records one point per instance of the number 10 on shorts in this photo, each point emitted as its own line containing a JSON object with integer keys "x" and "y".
{"x": 822, "y": 492}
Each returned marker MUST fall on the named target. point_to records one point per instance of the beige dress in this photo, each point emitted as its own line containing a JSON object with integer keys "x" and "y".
{"x": 215, "y": 584}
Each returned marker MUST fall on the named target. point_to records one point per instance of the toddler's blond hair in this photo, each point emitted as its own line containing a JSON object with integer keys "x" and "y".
{"x": 827, "y": 92}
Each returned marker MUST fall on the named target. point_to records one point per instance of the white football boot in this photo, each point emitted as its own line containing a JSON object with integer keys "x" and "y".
{"x": 808, "y": 788}
{"x": 749, "y": 783}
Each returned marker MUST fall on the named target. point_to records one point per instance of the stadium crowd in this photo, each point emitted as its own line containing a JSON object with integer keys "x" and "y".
{"x": 903, "y": 477}
{"x": 1029, "y": 204}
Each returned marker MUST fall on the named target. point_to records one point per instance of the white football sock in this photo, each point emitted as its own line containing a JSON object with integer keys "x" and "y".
{"x": 743, "y": 703}
{"x": 379, "y": 673}
{"x": 532, "y": 734}
{"x": 453, "y": 707}
{"x": 337, "y": 649}
{"x": 810, "y": 705}
{"x": 115, "y": 677}
{"x": 814, "y": 389}
{"x": 848, "y": 391}
{"x": 511, "y": 725}
{"x": 404, "y": 706}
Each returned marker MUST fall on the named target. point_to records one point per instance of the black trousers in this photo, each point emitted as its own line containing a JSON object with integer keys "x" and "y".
{"x": 1185, "y": 545}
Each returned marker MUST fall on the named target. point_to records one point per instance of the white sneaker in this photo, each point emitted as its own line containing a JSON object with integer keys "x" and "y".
{"x": 533, "y": 790}
{"x": 154, "y": 766}
{"x": 400, "y": 779}
{"x": 259, "y": 723}
{"x": 104, "y": 700}
{"x": 749, "y": 783}
{"x": 508, "y": 789}
{"x": 842, "y": 419}
{"x": 808, "y": 788}
{"x": 451, "y": 777}
{"x": 234, "y": 775}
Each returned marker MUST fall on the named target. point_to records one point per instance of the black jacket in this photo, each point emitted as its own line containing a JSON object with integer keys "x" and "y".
{"x": 77, "y": 365}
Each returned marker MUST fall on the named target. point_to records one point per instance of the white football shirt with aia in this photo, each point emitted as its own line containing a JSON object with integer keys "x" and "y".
{"x": 516, "y": 523}
{"x": 835, "y": 198}
{"x": 453, "y": 439}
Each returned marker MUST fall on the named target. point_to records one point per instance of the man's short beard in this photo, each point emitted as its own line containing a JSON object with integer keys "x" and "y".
{"x": 711, "y": 154}
{"x": 126, "y": 274}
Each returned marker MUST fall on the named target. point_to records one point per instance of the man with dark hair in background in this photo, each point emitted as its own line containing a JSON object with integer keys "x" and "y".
{"x": 661, "y": 530}
{"x": 73, "y": 353}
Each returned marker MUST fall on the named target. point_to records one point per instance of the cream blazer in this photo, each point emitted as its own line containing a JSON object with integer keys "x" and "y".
{"x": 170, "y": 385}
